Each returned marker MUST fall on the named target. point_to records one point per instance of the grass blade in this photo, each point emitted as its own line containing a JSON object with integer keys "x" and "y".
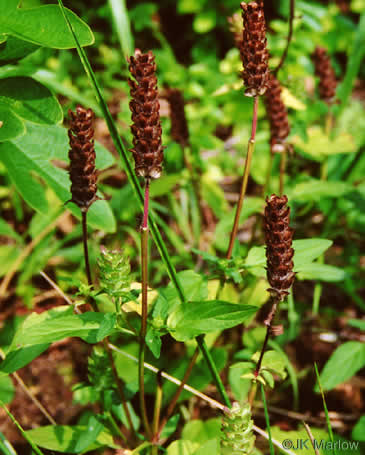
{"x": 330, "y": 432}
{"x": 267, "y": 419}
{"x": 122, "y": 26}
{"x": 17, "y": 424}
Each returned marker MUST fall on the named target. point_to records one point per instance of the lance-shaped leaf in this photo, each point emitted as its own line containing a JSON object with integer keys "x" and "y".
{"x": 195, "y": 318}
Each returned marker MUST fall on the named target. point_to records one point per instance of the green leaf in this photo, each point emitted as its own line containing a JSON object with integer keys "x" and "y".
{"x": 205, "y": 21}
{"x": 358, "y": 323}
{"x": 7, "y": 389}
{"x": 195, "y": 288}
{"x": 59, "y": 323}
{"x": 194, "y": 318}
{"x": 315, "y": 190}
{"x": 33, "y": 154}
{"x": 273, "y": 361}
{"x": 43, "y": 25}
{"x": 30, "y": 100}
{"x": 181, "y": 447}
{"x": 319, "y": 145}
{"x": 358, "y": 433}
{"x": 199, "y": 431}
{"x": 12, "y": 125}
{"x": 322, "y": 272}
{"x": 14, "y": 49}
{"x": 18, "y": 358}
{"x": 305, "y": 252}
{"x": 153, "y": 341}
{"x": 65, "y": 438}
{"x": 39, "y": 330}
{"x": 122, "y": 26}
{"x": 8, "y": 231}
{"x": 346, "y": 361}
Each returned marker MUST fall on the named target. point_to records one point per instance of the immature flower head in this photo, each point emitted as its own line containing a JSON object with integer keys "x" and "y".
{"x": 237, "y": 435}
{"x": 179, "y": 125}
{"x": 253, "y": 50}
{"x": 146, "y": 129}
{"x": 325, "y": 72}
{"x": 83, "y": 174}
{"x": 279, "y": 251}
{"x": 277, "y": 115}
{"x": 115, "y": 272}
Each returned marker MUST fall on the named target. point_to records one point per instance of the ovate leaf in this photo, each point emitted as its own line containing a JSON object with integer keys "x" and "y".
{"x": 346, "y": 361}
{"x": 42, "y": 25}
{"x": 30, "y": 100}
{"x": 194, "y": 318}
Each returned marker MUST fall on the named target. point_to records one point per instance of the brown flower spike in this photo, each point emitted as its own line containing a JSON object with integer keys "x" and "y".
{"x": 146, "y": 129}
{"x": 279, "y": 251}
{"x": 179, "y": 125}
{"x": 253, "y": 50}
{"x": 277, "y": 115}
{"x": 326, "y": 74}
{"x": 83, "y": 174}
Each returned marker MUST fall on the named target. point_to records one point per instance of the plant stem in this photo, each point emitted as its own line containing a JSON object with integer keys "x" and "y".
{"x": 282, "y": 172}
{"x": 213, "y": 369}
{"x": 142, "y": 341}
{"x": 161, "y": 246}
{"x": 268, "y": 323}
{"x": 290, "y": 35}
{"x": 246, "y": 173}
{"x": 266, "y": 188}
{"x": 175, "y": 398}
{"x": 86, "y": 249}
{"x": 95, "y": 309}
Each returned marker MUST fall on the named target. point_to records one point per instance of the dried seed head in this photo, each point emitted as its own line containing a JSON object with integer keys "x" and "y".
{"x": 277, "y": 114}
{"x": 147, "y": 147}
{"x": 83, "y": 175}
{"x": 279, "y": 251}
{"x": 253, "y": 50}
{"x": 235, "y": 26}
{"x": 179, "y": 125}
{"x": 326, "y": 74}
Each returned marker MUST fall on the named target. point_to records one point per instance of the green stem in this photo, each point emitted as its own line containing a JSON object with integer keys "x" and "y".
{"x": 213, "y": 369}
{"x": 267, "y": 419}
{"x": 134, "y": 180}
{"x": 246, "y": 173}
